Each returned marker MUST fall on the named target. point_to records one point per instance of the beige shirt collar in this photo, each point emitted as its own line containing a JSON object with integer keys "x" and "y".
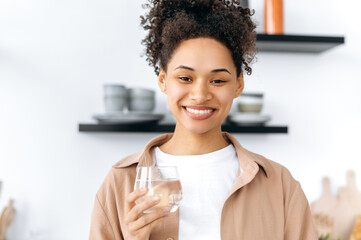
{"x": 249, "y": 162}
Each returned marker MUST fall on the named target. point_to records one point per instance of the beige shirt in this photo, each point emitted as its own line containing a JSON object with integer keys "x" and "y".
{"x": 265, "y": 202}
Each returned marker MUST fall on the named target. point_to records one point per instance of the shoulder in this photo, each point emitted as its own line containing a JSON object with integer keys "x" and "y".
{"x": 274, "y": 171}
{"x": 278, "y": 181}
{"x": 120, "y": 178}
{"x": 286, "y": 195}
{"x": 271, "y": 169}
{"x": 127, "y": 161}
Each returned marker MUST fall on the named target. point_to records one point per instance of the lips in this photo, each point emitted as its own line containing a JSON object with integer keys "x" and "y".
{"x": 199, "y": 112}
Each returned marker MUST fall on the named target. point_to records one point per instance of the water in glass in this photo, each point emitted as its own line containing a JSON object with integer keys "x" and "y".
{"x": 162, "y": 182}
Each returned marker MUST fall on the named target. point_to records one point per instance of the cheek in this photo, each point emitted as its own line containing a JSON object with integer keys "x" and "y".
{"x": 226, "y": 97}
{"x": 175, "y": 92}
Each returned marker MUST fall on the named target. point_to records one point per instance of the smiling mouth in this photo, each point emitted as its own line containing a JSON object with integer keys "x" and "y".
{"x": 199, "y": 111}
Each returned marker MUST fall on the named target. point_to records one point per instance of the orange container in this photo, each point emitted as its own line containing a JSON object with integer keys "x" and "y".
{"x": 273, "y": 17}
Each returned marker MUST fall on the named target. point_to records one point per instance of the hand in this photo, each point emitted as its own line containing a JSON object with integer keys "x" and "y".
{"x": 139, "y": 225}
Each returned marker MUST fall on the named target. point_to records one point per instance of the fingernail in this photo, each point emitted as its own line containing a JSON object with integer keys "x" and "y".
{"x": 155, "y": 199}
{"x": 165, "y": 210}
{"x": 142, "y": 190}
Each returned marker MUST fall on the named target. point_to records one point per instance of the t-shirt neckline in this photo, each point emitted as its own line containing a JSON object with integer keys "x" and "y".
{"x": 223, "y": 154}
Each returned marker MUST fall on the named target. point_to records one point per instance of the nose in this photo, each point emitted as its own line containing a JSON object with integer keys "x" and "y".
{"x": 200, "y": 92}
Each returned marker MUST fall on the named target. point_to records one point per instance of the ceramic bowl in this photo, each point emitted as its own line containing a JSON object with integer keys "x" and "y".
{"x": 250, "y": 102}
{"x": 141, "y": 100}
{"x": 115, "y": 98}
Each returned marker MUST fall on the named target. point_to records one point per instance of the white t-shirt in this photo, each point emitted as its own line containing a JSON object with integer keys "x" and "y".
{"x": 206, "y": 181}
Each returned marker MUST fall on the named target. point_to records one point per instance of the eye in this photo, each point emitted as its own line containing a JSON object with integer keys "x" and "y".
{"x": 186, "y": 79}
{"x": 218, "y": 81}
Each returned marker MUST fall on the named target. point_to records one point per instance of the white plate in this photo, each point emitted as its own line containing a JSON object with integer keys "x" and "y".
{"x": 248, "y": 118}
{"x": 127, "y": 118}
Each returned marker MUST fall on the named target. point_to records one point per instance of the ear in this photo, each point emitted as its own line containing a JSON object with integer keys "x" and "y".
{"x": 161, "y": 79}
{"x": 240, "y": 85}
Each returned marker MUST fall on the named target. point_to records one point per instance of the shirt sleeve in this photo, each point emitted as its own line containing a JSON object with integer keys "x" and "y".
{"x": 100, "y": 227}
{"x": 298, "y": 217}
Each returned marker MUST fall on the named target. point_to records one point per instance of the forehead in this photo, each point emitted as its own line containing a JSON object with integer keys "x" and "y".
{"x": 202, "y": 54}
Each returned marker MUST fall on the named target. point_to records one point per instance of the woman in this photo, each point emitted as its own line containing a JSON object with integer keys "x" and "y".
{"x": 200, "y": 50}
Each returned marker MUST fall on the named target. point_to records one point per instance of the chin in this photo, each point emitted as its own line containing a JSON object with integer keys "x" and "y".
{"x": 200, "y": 128}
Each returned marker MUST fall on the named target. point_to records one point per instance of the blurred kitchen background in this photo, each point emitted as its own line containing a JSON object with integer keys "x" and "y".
{"x": 55, "y": 57}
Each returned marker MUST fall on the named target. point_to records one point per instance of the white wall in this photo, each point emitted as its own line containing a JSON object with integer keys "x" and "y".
{"x": 56, "y": 55}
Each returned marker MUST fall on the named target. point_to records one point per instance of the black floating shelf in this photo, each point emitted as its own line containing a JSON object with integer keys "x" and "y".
{"x": 95, "y": 127}
{"x": 297, "y": 43}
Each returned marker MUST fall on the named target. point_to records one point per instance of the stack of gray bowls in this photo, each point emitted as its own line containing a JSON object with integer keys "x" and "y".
{"x": 117, "y": 98}
{"x": 141, "y": 100}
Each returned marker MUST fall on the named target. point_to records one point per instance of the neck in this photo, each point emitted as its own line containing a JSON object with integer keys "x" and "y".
{"x": 189, "y": 143}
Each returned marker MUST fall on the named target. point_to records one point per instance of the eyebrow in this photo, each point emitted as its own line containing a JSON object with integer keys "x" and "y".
{"x": 213, "y": 71}
{"x": 221, "y": 70}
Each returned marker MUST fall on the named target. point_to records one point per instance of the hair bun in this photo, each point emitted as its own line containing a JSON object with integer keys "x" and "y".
{"x": 171, "y": 21}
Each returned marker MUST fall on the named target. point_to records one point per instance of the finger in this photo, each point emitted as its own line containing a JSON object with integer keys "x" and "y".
{"x": 149, "y": 220}
{"x": 131, "y": 197}
{"x": 143, "y": 233}
{"x": 138, "y": 209}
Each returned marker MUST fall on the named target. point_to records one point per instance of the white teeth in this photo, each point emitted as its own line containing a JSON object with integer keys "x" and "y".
{"x": 195, "y": 111}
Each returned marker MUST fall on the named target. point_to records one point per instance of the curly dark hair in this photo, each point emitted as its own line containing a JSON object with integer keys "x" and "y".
{"x": 171, "y": 21}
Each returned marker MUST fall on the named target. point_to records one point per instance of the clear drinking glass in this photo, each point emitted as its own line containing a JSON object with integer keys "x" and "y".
{"x": 162, "y": 182}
